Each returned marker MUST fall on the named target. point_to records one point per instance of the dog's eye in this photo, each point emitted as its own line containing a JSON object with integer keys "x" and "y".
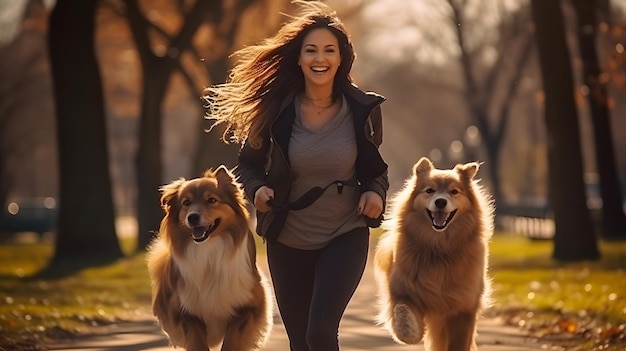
{"x": 429, "y": 191}
{"x": 455, "y": 191}
{"x": 186, "y": 202}
{"x": 211, "y": 200}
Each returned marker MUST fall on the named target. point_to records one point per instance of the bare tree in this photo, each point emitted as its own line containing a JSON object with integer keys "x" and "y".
{"x": 485, "y": 84}
{"x": 86, "y": 226}
{"x": 574, "y": 239}
{"x": 156, "y": 74}
{"x": 613, "y": 219}
{"x": 224, "y": 19}
{"x": 20, "y": 82}
{"x": 259, "y": 16}
{"x": 211, "y": 150}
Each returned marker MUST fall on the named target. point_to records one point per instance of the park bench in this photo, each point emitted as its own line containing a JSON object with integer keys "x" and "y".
{"x": 36, "y": 215}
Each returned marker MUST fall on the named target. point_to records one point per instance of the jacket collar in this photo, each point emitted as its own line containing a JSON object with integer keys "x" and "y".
{"x": 367, "y": 99}
{"x": 362, "y": 97}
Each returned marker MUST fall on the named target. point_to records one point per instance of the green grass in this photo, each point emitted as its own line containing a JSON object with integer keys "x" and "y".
{"x": 581, "y": 303}
{"x": 577, "y": 304}
{"x": 59, "y": 308}
{"x": 525, "y": 276}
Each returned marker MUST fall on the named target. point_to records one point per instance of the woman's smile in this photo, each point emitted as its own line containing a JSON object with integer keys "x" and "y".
{"x": 319, "y": 58}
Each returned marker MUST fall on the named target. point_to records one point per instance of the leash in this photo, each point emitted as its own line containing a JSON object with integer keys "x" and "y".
{"x": 308, "y": 198}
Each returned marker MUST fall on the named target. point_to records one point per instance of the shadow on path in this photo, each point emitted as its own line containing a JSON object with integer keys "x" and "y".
{"x": 358, "y": 331}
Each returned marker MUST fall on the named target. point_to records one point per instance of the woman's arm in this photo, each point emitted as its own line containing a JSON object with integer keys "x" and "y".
{"x": 250, "y": 168}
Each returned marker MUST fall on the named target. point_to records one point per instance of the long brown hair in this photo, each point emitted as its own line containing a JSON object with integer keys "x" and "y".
{"x": 266, "y": 73}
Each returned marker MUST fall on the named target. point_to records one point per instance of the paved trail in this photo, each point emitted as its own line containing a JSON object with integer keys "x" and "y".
{"x": 357, "y": 332}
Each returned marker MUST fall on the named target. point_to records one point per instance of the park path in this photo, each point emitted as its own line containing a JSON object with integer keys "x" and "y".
{"x": 357, "y": 331}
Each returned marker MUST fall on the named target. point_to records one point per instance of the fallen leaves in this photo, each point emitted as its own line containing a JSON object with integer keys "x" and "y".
{"x": 576, "y": 331}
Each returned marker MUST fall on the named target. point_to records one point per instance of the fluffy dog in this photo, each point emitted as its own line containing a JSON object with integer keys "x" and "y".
{"x": 206, "y": 287}
{"x": 431, "y": 263}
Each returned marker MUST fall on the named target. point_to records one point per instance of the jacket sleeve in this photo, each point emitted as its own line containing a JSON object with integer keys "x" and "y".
{"x": 380, "y": 184}
{"x": 376, "y": 126}
{"x": 250, "y": 168}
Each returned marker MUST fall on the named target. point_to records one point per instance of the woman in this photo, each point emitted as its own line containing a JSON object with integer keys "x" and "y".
{"x": 310, "y": 165}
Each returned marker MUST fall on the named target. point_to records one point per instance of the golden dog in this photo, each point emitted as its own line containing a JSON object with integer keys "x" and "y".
{"x": 206, "y": 287}
{"x": 431, "y": 263}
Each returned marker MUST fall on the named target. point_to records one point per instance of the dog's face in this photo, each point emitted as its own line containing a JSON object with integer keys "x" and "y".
{"x": 204, "y": 207}
{"x": 442, "y": 195}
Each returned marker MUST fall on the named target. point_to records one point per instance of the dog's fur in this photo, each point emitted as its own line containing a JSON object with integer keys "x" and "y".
{"x": 206, "y": 287}
{"x": 431, "y": 263}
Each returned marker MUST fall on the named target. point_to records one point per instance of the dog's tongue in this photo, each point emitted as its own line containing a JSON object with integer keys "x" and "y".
{"x": 439, "y": 217}
{"x": 198, "y": 231}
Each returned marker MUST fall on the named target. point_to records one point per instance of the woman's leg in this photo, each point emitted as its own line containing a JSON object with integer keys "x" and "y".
{"x": 338, "y": 271}
{"x": 292, "y": 272}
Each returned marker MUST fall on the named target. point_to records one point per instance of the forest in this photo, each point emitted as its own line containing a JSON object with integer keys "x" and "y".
{"x": 101, "y": 103}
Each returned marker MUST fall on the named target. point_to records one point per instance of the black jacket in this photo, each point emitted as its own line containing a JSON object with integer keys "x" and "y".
{"x": 269, "y": 165}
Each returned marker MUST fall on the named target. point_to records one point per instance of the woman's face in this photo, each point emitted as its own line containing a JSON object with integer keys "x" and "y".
{"x": 319, "y": 57}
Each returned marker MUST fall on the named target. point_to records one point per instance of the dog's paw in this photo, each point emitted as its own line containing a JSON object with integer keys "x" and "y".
{"x": 405, "y": 326}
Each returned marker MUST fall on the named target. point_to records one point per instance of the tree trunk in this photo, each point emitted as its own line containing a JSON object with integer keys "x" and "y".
{"x": 156, "y": 77}
{"x": 493, "y": 146}
{"x": 613, "y": 219}
{"x": 86, "y": 226}
{"x": 148, "y": 159}
{"x": 574, "y": 239}
{"x": 479, "y": 94}
{"x": 211, "y": 151}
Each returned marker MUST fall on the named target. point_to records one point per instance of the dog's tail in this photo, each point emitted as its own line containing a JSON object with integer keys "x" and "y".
{"x": 383, "y": 260}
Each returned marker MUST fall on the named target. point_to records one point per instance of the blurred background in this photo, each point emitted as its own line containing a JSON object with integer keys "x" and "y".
{"x": 462, "y": 78}
{"x": 100, "y": 105}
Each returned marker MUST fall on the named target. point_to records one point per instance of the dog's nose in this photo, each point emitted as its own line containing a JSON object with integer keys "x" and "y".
{"x": 441, "y": 203}
{"x": 193, "y": 219}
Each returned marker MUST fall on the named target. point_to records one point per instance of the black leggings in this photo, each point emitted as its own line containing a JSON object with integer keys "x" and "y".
{"x": 313, "y": 287}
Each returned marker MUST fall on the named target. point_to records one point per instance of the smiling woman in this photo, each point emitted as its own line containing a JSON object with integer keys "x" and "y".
{"x": 306, "y": 127}
{"x": 319, "y": 61}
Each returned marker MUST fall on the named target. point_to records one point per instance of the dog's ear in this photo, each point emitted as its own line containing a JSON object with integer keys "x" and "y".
{"x": 226, "y": 179}
{"x": 224, "y": 174}
{"x": 169, "y": 192}
{"x": 423, "y": 166}
{"x": 467, "y": 171}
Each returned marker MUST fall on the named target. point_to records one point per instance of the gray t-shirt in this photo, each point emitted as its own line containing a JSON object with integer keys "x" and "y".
{"x": 318, "y": 158}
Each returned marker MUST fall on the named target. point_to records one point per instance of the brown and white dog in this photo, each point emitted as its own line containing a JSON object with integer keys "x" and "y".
{"x": 206, "y": 287}
{"x": 431, "y": 263}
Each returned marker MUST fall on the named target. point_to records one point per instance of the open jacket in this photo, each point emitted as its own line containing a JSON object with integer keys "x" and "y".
{"x": 269, "y": 165}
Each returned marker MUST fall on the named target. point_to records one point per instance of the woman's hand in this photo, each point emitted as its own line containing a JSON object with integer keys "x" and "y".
{"x": 370, "y": 204}
{"x": 262, "y": 198}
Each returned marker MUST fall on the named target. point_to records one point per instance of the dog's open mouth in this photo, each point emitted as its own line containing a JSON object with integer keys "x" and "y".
{"x": 440, "y": 219}
{"x": 200, "y": 234}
